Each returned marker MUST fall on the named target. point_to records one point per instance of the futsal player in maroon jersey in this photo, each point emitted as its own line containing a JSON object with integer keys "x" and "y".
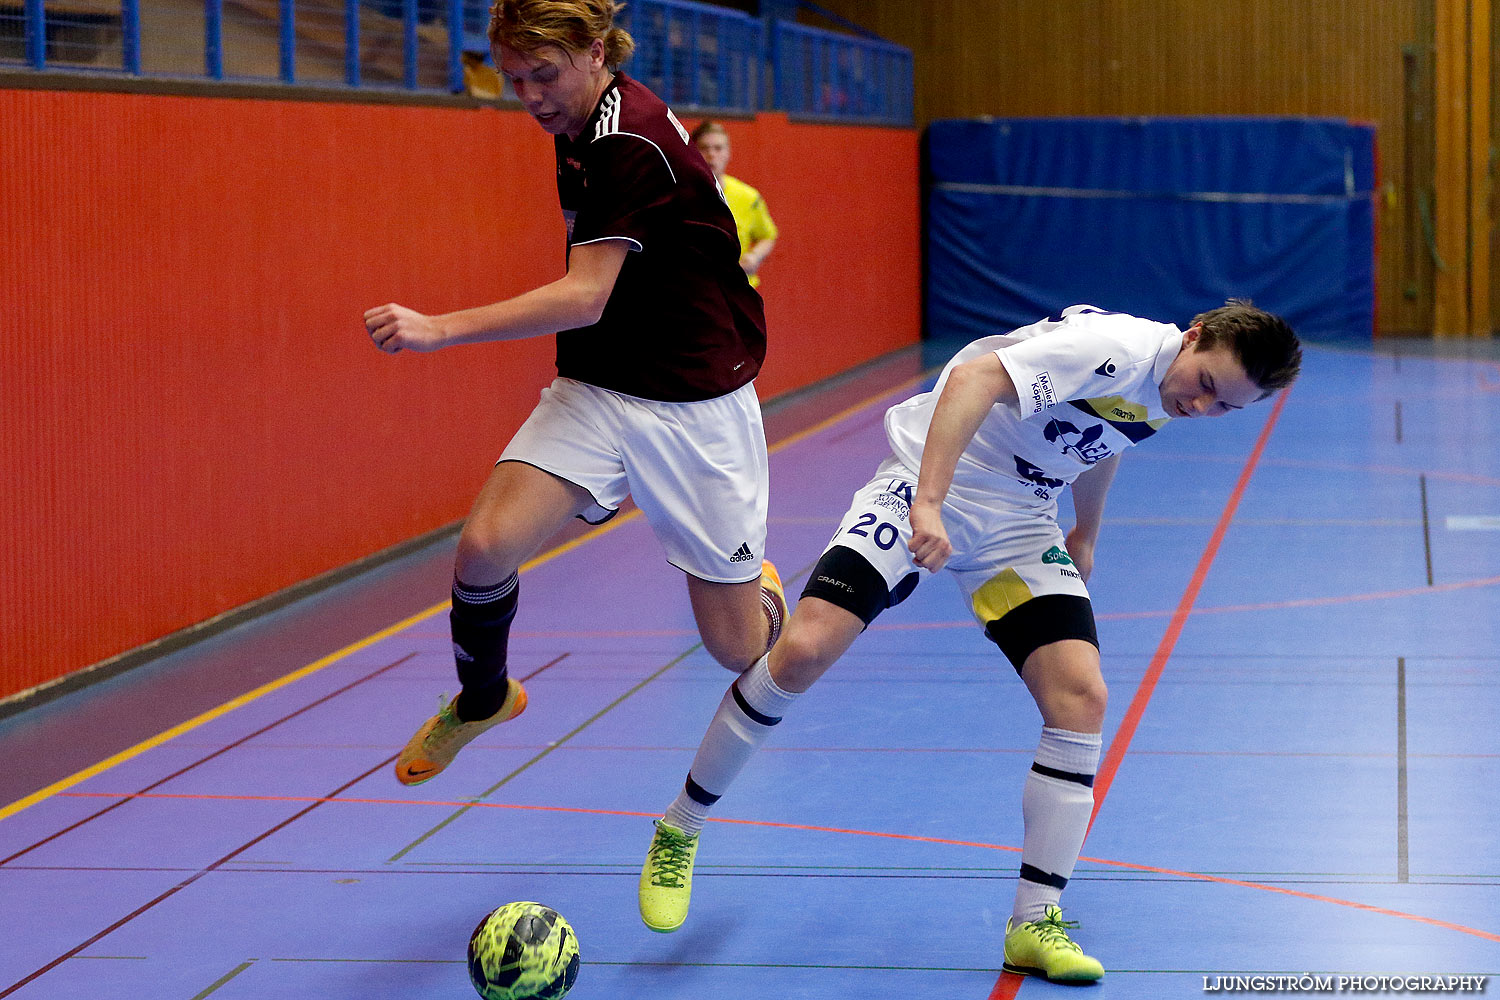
{"x": 659, "y": 338}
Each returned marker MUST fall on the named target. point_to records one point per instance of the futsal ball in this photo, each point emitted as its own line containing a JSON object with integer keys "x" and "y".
{"x": 523, "y": 951}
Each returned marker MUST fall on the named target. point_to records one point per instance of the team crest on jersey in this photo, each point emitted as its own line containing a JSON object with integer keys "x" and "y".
{"x": 1085, "y": 444}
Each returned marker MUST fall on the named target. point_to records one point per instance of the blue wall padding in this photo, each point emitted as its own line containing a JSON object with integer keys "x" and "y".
{"x": 1161, "y": 217}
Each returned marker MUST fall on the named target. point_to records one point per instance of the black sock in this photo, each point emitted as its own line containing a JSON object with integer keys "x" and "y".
{"x": 480, "y": 619}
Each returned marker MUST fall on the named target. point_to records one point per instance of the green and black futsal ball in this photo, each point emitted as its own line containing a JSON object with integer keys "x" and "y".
{"x": 523, "y": 951}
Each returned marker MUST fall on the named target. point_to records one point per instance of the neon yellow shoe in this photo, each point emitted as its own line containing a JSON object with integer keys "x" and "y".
{"x": 1043, "y": 948}
{"x": 441, "y": 737}
{"x": 773, "y": 600}
{"x": 667, "y": 878}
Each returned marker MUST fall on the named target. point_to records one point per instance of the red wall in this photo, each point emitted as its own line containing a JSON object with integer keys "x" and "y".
{"x": 843, "y": 284}
{"x": 193, "y": 415}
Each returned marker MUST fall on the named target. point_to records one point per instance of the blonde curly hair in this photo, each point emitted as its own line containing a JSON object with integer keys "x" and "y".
{"x": 571, "y": 25}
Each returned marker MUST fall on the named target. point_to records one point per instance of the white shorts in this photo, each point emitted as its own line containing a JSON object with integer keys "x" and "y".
{"x": 698, "y": 471}
{"x": 1002, "y": 556}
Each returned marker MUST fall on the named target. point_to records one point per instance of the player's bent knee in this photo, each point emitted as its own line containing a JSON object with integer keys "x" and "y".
{"x": 1088, "y": 702}
{"x": 800, "y": 658}
{"x": 735, "y": 654}
{"x": 478, "y": 550}
{"x": 818, "y": 634}
{"x": 485, "y": 551}
{"x": 1064, "y": 679}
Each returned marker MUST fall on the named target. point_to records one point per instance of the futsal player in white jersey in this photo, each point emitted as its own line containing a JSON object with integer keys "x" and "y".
{"x": 972, "y": 484}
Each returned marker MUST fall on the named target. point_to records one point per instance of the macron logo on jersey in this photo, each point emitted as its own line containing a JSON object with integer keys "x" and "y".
{"x": 1107, "y": 369}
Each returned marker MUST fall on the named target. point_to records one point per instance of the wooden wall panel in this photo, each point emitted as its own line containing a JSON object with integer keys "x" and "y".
{"x": 1481, "y": 169}
{"x": 1492, "y": 204}
{"x": 1176, "y": 57}
{"x": 191, "y": 414}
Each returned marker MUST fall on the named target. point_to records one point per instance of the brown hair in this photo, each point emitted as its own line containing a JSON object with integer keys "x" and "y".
{"x": 708, "y": 128}
{"x": 571, "y": 25}
{"x": 1263, "y": 343}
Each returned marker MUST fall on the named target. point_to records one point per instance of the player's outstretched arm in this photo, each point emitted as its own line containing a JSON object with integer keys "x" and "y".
{"x": 574, "y": 300}
{"x": 1089, "y": 492}
{"x": 971, "y": 390}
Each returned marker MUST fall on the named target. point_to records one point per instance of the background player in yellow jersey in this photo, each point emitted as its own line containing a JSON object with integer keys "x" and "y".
{"x": 751, "y": 217}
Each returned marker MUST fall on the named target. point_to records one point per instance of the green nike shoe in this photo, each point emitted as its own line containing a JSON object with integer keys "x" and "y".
{"x": 1043, "y": 948}
{"x": 667, "y": 878}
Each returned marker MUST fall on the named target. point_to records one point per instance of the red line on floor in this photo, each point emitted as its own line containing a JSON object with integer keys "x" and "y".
{"x": 218, "y": 752}
{"x": 1220, "y": 880}
{"x": 915, "y": 838}
{"x": 346, "y": 800}
{"x": 1006, "y": 986}
{"x": 1143, "y": 692}
{"x": 315, "y": 803}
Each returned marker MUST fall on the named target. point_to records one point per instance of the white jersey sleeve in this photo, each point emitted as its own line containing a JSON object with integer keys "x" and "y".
{"x": 1089, "y": 387}
{"x": 1084, "y": 352}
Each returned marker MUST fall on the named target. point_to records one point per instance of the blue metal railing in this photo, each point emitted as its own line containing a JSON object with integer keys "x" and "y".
{"x": 822, "y": 72}
{"x": 695, "y": 55}
{"x": 36, "y": 35}
{"x": 213, "y": 39}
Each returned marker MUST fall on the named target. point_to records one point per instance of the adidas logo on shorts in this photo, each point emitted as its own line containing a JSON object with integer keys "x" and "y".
{"x": 742, "y": 554}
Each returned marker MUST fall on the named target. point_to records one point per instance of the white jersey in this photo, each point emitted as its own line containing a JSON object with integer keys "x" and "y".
{"x": 1089, "y": 386}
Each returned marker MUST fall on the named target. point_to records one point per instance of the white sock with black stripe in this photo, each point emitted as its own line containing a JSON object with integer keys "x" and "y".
{"x": 751, "y": 708}
{"x": 1055, "y": 808}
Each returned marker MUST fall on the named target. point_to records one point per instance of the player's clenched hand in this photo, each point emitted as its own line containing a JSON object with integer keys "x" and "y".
{"x": 929, "y": 543}
{"x": 394, "y": 327}
{"x": 1081, "y": 551}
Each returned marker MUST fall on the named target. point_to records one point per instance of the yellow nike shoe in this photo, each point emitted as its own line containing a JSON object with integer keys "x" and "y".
{"x": 666, "y": 886}
{"x": 1043, "y": 948}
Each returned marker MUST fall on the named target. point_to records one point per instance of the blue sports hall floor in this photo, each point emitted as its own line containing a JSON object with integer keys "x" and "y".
{"x": 1298, "y": 608}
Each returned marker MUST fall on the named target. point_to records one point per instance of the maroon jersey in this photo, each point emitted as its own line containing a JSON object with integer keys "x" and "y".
{"x": 682, "y": 322}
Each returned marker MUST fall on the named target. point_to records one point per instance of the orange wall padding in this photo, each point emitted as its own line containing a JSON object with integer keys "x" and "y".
{"x": 843, "y": 281}
{"x": 193, "y": 415}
